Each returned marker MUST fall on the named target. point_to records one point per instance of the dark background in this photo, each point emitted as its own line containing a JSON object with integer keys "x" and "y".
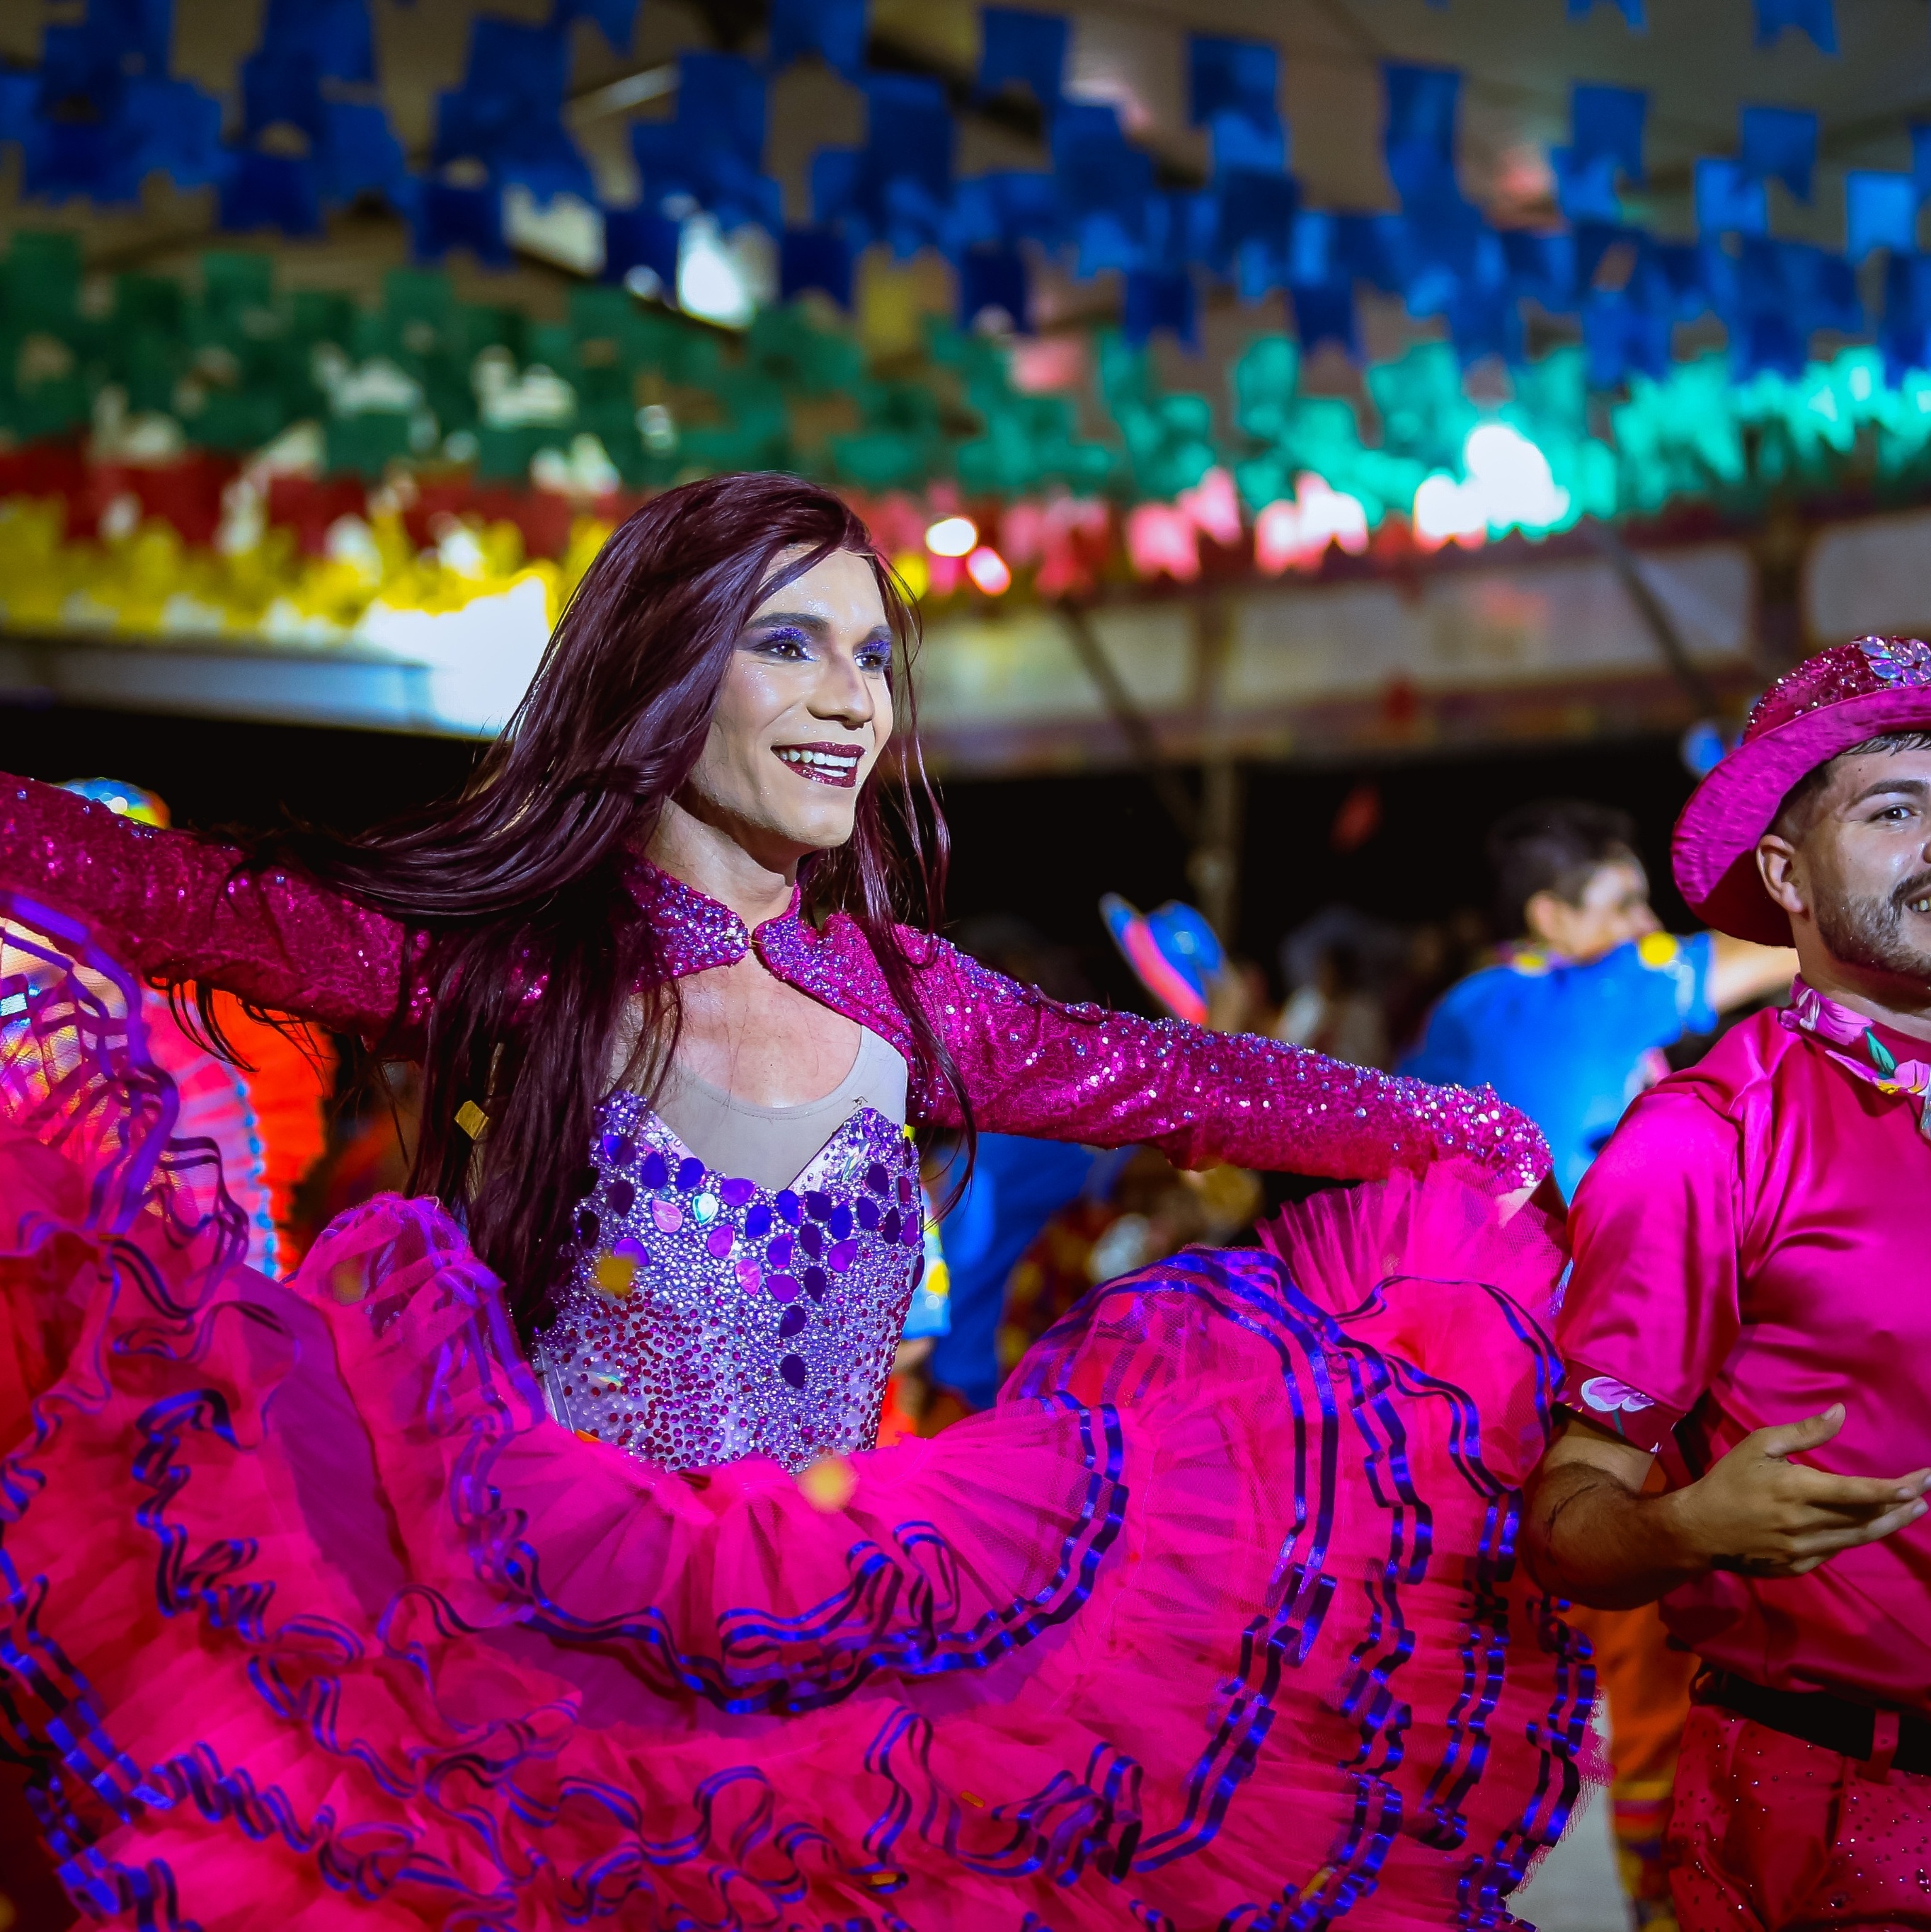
{"x": 1042, "y": 848}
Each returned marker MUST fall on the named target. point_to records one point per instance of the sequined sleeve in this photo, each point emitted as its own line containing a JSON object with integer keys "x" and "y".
{"x": 171, "y": 906}
{"x": 1032, "y": 1066}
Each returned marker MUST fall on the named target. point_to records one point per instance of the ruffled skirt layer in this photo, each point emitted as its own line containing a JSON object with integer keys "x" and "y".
{"x": 313, "y": 1618}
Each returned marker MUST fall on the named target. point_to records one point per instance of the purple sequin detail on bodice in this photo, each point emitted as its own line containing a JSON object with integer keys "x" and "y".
{"x": 701, "y": 1318}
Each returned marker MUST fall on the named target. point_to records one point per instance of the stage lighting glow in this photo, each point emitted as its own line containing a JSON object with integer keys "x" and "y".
{"x": 952, "y": 536}
{"x": 1295, "y": 532}
{"x": 1508, "y": 486}
{"x": 987, "y": 569}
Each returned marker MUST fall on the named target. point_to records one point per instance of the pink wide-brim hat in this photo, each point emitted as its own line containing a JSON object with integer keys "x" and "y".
{"x": 1828, "y": 703}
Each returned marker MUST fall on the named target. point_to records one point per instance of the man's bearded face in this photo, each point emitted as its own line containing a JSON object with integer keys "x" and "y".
{"x": 1877, "y": 931}
{"x": 1867, "y": 856}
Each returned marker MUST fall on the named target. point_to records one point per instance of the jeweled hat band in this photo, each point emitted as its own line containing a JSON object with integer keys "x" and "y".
{"x": 1859, "y": 670}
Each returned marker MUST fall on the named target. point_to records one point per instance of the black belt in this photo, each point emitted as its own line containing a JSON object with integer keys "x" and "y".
{"x": 1831, "y": 1723}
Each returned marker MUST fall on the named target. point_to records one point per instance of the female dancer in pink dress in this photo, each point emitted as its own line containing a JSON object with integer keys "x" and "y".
{"x": 523, "y": 1560}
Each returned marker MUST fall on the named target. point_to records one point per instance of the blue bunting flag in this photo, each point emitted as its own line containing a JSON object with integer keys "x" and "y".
{"x": 19, "y": 91}
{"x": 814, "y": 258}
{"x": 1785, "y": 291}
{"x": 1312, "y": 253}
{"x": 1684, "y": 277}
{"x": 837, "y": 185}
{"x": 616, "y": 18}
{"x": 358, "y": 154}
{"x": 994, "y": 278}
{"x": 1904, "y": 334}
{"x": 1182, "y": 228}
{"x": 508, "y": 113}
{"x": 334, "y": 34}
{"x": 1256, "y": 208}
{"x": 134, "y": 33}
{"x": 1325, "y": 311}
{"x": 1029, "y": 49}
{"x": 1606, "y": 124}
{"x": 714, "y": 150}
{"x": 835, "y": 30}
{"x": 1585, "y": 190}
{"x": 82, "y": 75}
{"x": 1632, "y": 11}
{"x": 1160, "y": 299}
{"x": 1104, "y": 184}
{"x": 1780, "y": 144}
{"x": 1880, "y": 212}
{"x": 1009, "y": 205}
{"x": 721, "y": 102}
{"x": 1484, "y": 314}
{"x": 906, "y": 180}
{"x": 1423, "y": 102}
{"x": 173, "y": 127}
{"x": 281, "y": 87}
{"x": 1228, "y": 76}
{"x": 271, "y": 191}
{"x": 1817, "y": 18}
{"x": 1622, "y": 337}
{"x": 1541, "y": 268}
{"x": 1728, "y": 202}
{"x": 909, "y": 135}
{"x": 1242, "y": 144}
{"x": 446, "y": 217}
{"x": 1370, "y": 247}
{"x": 640, "y": 237}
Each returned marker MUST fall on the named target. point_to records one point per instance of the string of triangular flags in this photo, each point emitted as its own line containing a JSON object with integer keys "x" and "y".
{"x": 103, "y": 111}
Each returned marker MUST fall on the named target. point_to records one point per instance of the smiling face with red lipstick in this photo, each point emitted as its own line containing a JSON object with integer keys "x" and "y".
{"x": 805, "y": 710}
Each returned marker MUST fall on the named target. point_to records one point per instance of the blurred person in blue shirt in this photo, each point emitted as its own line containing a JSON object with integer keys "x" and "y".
{"x": 1573, "y": 1020}
{"x": 1570, "y": 1025}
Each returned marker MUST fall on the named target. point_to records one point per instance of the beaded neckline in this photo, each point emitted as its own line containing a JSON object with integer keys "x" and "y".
{"x": 702, "y": 1317}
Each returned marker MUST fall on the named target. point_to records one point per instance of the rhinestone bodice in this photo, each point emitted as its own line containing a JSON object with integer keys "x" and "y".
{"x": 701, "y": 1318}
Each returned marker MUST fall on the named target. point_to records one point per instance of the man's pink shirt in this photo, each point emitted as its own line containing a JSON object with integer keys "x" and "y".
{"x": 1750, "y": 1247}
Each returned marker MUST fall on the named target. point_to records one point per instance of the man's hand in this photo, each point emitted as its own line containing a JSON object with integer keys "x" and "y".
{"x": 1593, "y": 1534}
{"x": 1756, "y": 1510}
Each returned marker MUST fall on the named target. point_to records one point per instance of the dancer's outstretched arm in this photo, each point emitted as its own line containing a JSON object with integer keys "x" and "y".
{"x": 1081, "y": 1073}
{"x": 172, "y": 906}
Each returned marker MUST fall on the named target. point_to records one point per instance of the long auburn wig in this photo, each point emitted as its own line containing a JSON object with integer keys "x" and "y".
{"x": 517, "y": 884}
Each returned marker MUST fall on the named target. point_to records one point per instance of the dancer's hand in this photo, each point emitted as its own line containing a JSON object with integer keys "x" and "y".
{"x": 1756, "y": 1511}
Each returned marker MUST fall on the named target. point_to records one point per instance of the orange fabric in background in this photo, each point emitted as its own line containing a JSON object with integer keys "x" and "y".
{"x": 292, "y": 1079}
{"x": 1646, "y": 1684}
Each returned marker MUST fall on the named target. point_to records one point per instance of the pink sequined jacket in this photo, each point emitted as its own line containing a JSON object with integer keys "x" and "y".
{"x": 172, "y": 906}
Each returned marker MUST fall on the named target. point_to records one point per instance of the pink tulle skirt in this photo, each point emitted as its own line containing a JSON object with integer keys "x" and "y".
{"x": 313, "y": 1617}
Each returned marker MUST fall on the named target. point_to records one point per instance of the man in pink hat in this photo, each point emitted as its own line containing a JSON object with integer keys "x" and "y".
{"x": 1751, "y": 1308}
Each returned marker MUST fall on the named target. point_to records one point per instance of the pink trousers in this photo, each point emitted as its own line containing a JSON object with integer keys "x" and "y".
{"x": 1769, "y": 1834}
